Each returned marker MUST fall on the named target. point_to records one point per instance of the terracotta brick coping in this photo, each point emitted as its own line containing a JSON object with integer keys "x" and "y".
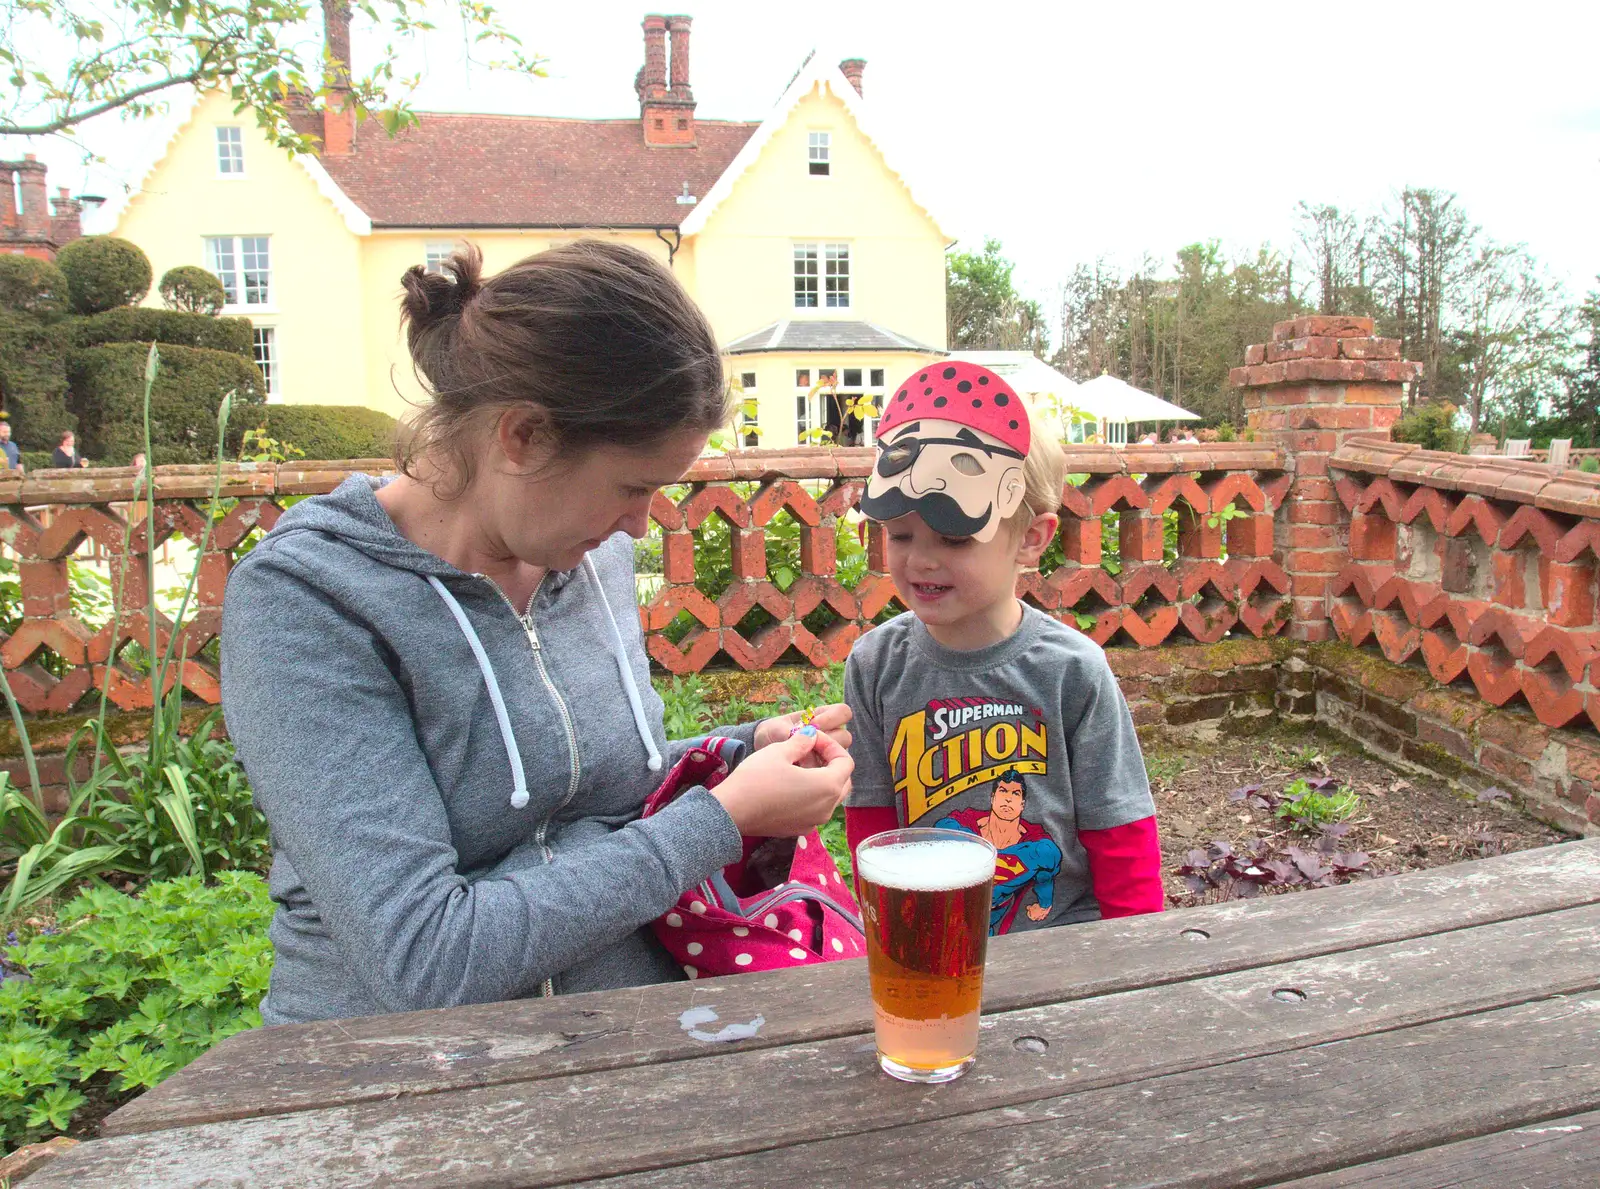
{"x": 116, "y": 484}
{"x": 1520, "y": 481}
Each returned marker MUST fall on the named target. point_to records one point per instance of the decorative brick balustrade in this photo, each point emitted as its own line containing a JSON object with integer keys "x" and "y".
{"x": 1485, "y": 567}
{"x": 1223, "y": 577}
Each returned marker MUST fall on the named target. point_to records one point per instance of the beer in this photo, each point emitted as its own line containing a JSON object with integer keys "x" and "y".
{"x": 925, "y": 895}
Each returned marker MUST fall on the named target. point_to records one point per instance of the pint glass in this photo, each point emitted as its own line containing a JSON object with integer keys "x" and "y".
{"x": 925, "y": 896}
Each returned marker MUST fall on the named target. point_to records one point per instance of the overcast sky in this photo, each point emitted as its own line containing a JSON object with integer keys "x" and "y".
{"x": 1073, "y": 130}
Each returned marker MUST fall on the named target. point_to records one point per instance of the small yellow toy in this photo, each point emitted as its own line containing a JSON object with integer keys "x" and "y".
{"x": 804, "y": 726}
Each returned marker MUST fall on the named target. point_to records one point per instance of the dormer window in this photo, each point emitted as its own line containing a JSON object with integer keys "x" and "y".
{"x": 818, "y": 153}
{"x": 230, "y": 151}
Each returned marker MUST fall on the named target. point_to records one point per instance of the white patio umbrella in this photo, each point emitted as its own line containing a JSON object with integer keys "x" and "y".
{"x": 1116, "y": 403}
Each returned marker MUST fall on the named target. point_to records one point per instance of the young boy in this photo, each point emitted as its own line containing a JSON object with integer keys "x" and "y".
{"x": 977, "y": 712}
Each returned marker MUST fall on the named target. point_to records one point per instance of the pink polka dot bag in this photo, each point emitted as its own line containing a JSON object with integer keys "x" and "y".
{"x": 783, "y": 904}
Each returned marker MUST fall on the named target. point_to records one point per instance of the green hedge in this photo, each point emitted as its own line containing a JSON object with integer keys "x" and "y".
{"x": 33, "y": 286}
{"x": 107, "y": 394}
{"x": 333, "y": 431}
{"x": 33, "y": 379}
{"x": 35, "y": 460}
{"x": 141, "y": 324}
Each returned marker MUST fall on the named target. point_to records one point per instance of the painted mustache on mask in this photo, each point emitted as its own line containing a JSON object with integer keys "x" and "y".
{"x": 941, "y": 513}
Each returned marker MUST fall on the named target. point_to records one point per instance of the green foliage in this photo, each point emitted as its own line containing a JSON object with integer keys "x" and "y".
{"x": 103, "y": 272}
{"x": 1227, "y": 433}
{"x": 141, "y": 324}
{"x": 106, "y": 385}
{"x": 259, "y": 446}
{"x": 834, "y": 838}
{"x": 133, "y": 987}
{"x": 36, "y": 460}
{"x": 33, "y": 377}
{"x": 983, "y": 308}
{"x": 1589, "y": 465}
{"x": 255, "y": 52}
{"x": 686, "y": 713}
{"x": 1309, "y": 810}
{"x": 1431, "y": 426}
{"x": 1175, "y": 330}
{"x": 191, "y": 289}
{"x": 1162, "y": 768}
{"x": 32, "y": 286}
{"x": 333, "y": 431}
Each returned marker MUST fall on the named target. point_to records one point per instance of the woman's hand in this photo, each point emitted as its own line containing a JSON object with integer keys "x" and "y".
{"x": 829, "y": 720}
{"x": 788, "y": 788}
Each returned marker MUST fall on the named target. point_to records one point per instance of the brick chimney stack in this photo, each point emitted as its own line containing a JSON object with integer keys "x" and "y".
{"x": 68, "y": 222}
{"x": 666, "y": 111}
{"x": 338, "y": 116}
{"x": 853, "y": 69}
{"x": 679, "y": 26}
{"x": 34, "y": 220}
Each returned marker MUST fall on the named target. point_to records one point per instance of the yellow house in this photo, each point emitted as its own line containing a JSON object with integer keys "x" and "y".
{"x": 822, "y": 274}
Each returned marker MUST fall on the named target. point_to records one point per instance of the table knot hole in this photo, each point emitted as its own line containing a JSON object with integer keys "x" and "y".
{"x": 1289, "y": 995}
{"x": 1031, "y": 1044}
{"x": 1195, "y": 935}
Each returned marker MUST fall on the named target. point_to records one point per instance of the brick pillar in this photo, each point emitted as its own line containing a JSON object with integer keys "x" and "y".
{"x": 1320, "y": 381}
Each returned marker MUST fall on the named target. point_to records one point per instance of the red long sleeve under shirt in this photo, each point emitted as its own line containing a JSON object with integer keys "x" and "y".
{"x": 1124, "y": 861}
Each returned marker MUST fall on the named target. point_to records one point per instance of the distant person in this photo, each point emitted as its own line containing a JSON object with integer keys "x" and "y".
{"x": 1149, "y": 439}
{"x": 66, "y": 456}
{"x": 9, "y": 448}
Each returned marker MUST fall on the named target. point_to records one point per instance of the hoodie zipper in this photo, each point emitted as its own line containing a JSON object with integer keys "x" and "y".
{"x": 574, "y": 775}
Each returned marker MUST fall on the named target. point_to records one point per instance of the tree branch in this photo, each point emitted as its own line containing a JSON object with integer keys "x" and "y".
{"x": 116, "y": 101}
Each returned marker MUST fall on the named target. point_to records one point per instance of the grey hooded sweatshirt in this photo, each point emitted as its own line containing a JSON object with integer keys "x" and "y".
{"x": 453, "y": 786}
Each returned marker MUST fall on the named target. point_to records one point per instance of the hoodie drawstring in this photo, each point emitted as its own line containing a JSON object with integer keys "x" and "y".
{"x": 519, "y": 778}
{"x": 619, "y": 651}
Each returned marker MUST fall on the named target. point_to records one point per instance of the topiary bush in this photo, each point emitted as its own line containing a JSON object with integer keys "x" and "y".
{"x": 140, "y": 324}
{"x": 190, "y": 289}
{"x": 34, "y": 287}
{"x": 107, "y": 394}
{"x": 332, "y": 431}
{"x": 103, "y": 272}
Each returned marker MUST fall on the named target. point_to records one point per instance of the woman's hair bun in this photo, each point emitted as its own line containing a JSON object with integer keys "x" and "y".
{"x": 430, "y": 298}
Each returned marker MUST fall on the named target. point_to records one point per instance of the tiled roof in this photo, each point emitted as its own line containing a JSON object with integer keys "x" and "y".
{"x": 529, "y": 171}
{"x": 814, "y": 335}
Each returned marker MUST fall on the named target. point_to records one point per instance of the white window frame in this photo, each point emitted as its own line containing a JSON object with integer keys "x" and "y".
{"x": 226, "y": 258}
{"x": 230, "y": 150}
{"x": 743, "y": 419}
{"x": 806, "y": 407}
{"x": 436, "y": 251}
{"x": 822, "y": 274}
{"x": 819, "y": 154}
{"x": 264, "y": 350}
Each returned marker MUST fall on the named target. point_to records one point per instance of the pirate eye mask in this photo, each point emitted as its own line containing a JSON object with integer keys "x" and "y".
{"x": 950, "y": 448}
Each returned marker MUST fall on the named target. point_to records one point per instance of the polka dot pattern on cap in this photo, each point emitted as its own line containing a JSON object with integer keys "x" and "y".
{"x": 966, "y": 394}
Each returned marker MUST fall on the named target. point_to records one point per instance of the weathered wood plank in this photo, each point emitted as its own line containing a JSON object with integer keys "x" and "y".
{"x": 1234, "y": 1126}
{"x": 273, "y": 1071}
{"x": 549, "y": 1131}
{"x": 1542, "y": 1154}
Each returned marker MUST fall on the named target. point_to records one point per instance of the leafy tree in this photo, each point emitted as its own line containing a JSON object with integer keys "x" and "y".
{"x": 982, "y": 307}
{"x": 1578, "y": 406}
{"x": 1339, "y": 248}
{"x": 128, "y": 57}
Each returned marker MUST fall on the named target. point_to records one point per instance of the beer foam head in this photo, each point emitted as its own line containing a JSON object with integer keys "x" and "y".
{"x": 936, "y": 865}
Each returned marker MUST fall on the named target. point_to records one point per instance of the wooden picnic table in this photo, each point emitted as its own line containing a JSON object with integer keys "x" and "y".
{"x": 1436, "y": 1028}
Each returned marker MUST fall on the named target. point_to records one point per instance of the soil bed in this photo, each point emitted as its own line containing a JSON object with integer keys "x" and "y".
{"x": 1219, "y": 841}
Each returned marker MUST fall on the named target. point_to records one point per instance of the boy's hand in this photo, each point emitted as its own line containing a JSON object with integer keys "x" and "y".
{"x": 828, "y": 720}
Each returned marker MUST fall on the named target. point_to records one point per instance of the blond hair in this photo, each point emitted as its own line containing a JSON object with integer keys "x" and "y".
{"x": 1044, "y": 472}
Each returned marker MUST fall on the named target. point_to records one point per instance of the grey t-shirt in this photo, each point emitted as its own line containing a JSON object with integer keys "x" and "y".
{"x": 1026, "y": 741}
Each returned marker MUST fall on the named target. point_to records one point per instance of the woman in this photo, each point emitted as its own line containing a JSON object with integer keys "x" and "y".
{"x": 438, "y": 685}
